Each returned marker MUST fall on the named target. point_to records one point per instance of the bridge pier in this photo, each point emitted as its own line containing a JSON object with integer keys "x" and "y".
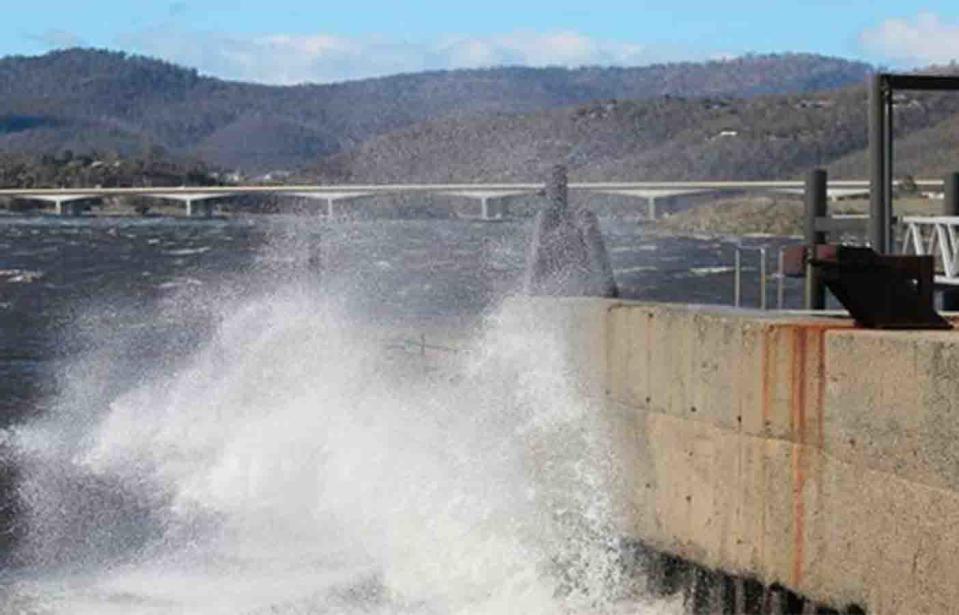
{"x": 652, "y": 194}
{"x": 492, "y": 202}
{"x": 66, "y": 208}
{"x": 199, "y": 209}
{"x": 330, "y": 198}
{"x": 489, "y": 209}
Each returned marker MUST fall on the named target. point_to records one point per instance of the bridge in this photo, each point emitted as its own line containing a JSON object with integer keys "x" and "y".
{"x": 198, "y": 201}
{"x": 937, "y": 236}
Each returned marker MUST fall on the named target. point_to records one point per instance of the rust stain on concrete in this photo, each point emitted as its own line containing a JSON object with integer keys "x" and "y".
{"x": 766, "y": 376}
{"x": 649, "y": 359}
{"x": 808, "y": 361}
{"x": 797, "y": 403}
{"x": 820, "y": 385}
{"x": 797, "y": 409}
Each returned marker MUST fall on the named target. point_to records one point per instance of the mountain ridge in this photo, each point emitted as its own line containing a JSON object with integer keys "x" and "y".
{"x": 70, "y": 99}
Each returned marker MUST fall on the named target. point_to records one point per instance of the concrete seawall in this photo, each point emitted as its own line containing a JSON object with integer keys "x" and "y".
{"x": 797, "y": 451}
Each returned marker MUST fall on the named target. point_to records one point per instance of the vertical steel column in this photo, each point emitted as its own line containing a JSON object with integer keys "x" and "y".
{"x": 737, "y": 278}
{"x": 781, "y": 279}
{"x": 950, "y": 296}
{"x": 816, "y": 180}
{"x": 762, "y": 278}
{"x": 887, "y": 141}
{"x": 879, "y": 167}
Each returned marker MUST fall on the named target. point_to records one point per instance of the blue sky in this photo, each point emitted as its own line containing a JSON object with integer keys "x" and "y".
{"x": 290, "y": 41}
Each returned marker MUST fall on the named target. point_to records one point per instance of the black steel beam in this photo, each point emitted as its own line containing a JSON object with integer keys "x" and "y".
{"x": 878, "y": 182}
{"x": 950, "y": 296}
{"x": 816, "y": 208}
{"x": 928, "y": 83}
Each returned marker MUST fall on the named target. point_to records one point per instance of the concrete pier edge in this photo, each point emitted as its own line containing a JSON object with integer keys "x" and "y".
{"x": 797, "y": 451}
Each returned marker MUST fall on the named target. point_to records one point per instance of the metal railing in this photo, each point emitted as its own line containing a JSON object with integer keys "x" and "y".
{"x": 738, "y": 275}
{"x": 779, "y": 276}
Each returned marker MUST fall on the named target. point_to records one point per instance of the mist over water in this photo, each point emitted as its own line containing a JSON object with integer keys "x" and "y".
{"x": 285, "y": 459}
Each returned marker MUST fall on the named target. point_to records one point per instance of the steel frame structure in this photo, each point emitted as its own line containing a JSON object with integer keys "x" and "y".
{"x": 882, "y": 90}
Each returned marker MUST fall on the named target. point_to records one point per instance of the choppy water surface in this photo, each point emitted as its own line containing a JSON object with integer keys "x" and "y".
{"x": 210, "y": 417}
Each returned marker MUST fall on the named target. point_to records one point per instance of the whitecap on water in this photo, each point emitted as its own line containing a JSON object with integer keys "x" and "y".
{"x": 187, "y": 251}
{"x": 19, "y": 276}
{"x": 634, "y": 248}
{"x": 641, "y": 269}
{"x": 177, "y": 283}
{"x": 702, "y": 271}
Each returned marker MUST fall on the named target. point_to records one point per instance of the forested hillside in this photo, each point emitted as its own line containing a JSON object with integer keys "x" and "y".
{"x": 769, "y": 137}
{"x": 86, "y": 100}
{"x": 67, "y": 169}
{"x": 931, "y": 152}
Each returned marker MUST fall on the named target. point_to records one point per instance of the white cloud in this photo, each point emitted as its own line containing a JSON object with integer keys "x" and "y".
{"x": 922, "y": 39}
{"x": 287, "y": 58}
{"x": 58, "y": 39}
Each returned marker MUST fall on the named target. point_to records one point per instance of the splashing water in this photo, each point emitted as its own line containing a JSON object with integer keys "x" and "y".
{"x": 291, "y": 463}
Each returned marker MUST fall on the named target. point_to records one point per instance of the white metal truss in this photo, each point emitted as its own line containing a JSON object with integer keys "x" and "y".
{"x": 936, "y": 236}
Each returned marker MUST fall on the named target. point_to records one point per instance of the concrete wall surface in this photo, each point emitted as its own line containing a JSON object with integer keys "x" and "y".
{"x": 799, "y": 451}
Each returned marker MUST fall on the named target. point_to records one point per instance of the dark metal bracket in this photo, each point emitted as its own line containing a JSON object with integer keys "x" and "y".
{"x": 880, "y": 291}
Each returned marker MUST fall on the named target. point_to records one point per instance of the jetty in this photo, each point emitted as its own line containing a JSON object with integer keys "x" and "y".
{"x": 775, "y": 461}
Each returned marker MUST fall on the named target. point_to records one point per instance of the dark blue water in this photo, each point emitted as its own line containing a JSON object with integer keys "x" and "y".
{"x": 60, "y": 278}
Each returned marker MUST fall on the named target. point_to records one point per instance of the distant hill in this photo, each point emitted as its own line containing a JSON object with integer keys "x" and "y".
{"x": 72, "y": 170}
{"x": 86, "y": 100}
{"x": 930, "y": 153}
{"x": 767, "y": 137}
